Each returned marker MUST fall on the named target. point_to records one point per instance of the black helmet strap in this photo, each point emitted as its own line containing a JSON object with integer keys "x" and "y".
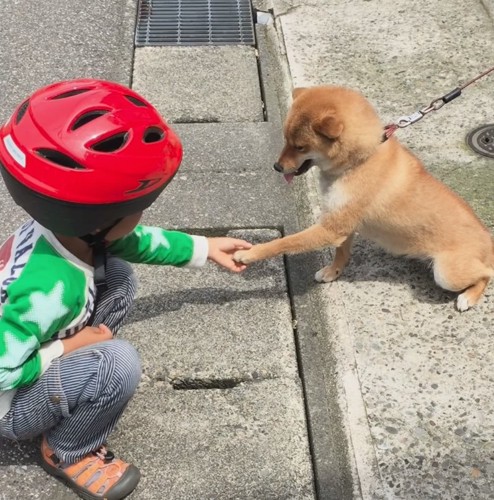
{"x": 98, "y": 244}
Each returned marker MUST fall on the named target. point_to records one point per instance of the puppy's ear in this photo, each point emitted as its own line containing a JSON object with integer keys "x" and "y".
{"x": 328, "y": 126}
{"x": 298, "y": 91}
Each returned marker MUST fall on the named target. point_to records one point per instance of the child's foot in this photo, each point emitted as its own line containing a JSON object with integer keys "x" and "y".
{"x": 99, "y": 475}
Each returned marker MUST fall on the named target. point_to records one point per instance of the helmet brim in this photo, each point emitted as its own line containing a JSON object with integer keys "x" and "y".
{"x": 73, "y": 219}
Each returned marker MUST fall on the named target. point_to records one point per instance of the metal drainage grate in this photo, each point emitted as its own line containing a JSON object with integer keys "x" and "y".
{"x": 194, "y": 22}
{"x": 481, "y": 140}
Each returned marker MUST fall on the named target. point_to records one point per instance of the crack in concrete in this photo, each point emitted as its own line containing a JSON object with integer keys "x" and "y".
{"x": 189, "y": 383}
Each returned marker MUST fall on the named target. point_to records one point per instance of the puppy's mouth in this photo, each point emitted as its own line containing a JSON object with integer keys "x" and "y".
{"x": 300, "y": 171}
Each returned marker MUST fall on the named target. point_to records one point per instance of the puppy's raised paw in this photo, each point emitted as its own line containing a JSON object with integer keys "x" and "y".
{"x": 242, "y": 256}
{"x": 327, "y": 274}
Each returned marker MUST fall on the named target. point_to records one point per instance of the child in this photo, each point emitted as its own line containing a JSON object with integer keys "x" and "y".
{"x": 84, "y": 158}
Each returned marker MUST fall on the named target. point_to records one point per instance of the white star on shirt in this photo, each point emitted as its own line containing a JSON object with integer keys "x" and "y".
{"x": 157, "y": 238}
{"x": 46, "y": 308}
{"x": 16, "y": 353}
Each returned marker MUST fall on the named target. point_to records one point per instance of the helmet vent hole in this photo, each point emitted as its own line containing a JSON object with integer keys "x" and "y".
{"x": 59, "y": 158}
{"x": 136, "y": 101}
{"x": 71, "y": 93}
{"x": 22, "y": 111}
{"x": 111, "y": 144}
{"x": 88, "y": 117}
{"x": 153, "y": 134}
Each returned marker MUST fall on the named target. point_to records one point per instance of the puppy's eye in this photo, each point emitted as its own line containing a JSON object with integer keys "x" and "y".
{"x": 300, "y": 148}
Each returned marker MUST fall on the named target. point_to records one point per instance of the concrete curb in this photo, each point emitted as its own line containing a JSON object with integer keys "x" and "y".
{"x": 336, "y": 355}
{"x": 363, "y": 459}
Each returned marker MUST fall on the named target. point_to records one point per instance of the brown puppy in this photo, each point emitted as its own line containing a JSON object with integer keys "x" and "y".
{"x": 378, "y": 189}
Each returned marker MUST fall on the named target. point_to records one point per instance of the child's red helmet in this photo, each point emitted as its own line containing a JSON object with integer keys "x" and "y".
{"x": 79, "y": 155}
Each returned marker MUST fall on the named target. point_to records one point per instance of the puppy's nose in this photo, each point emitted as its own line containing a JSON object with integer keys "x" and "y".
{"x": 278, "y": 167}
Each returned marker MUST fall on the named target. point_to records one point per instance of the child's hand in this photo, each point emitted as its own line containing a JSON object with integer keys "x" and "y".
{"x": 87, "y": 336}
{"x": 221, "y": 251}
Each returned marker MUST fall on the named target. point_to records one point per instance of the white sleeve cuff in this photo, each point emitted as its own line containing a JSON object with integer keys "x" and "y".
{"x": 48, "y": 352}
{"x": 200, "y": 252}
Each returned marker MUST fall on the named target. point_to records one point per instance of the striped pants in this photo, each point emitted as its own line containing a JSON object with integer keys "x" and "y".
{"x": 77, "y": 402}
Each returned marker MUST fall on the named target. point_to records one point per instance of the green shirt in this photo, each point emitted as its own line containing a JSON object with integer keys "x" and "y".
{"x": 46, "y": 293}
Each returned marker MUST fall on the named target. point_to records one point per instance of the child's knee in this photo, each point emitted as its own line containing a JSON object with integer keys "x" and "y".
{"x": 120, "y": 364}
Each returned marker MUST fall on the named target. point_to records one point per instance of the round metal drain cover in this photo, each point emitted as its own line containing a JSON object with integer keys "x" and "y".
{"x": 481, "y": 140}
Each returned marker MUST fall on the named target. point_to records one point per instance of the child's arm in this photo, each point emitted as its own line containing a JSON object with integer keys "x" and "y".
{"x": 153, "y": 245}
{"x": 16, "y": 373}
{"x": 46, "y": 298}
{"x": 22, "y": 357}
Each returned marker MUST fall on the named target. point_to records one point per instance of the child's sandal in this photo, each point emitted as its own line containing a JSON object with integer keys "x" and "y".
{"x": 99, "y": 475}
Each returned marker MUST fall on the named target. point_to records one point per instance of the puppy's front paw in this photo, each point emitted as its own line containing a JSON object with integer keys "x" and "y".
{"x": 243, "y": 256}
{"x": 327, "y": 274}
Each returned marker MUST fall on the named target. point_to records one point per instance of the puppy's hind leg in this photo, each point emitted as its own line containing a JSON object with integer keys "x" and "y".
{"x": 469, "y": 276}
{"x": 341, "y": 258}
{"x": 471, "y": 295}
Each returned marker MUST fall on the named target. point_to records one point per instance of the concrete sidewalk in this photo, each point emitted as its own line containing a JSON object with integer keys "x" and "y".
{"x": 220, "y": 411}
{"x": 416, "y": 376}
